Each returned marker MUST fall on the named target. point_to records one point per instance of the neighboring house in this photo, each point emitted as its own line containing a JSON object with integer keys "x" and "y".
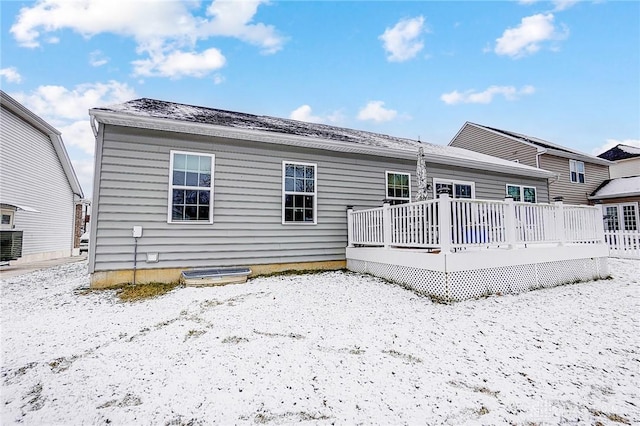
{"x": 213, "y": 188}
{"x": 39, "y": 190}
{"x": 577, "y": 174}
{"x": 626, "y": 160}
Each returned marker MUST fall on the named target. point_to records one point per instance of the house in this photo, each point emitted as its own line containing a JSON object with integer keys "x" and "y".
{"x": 39, "y": 190}
{"x": 620, "y": 195}
{"x": 577, "y": 174}
{"x": 179, "y": 187}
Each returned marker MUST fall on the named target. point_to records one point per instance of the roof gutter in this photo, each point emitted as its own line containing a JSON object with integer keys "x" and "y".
{"x": 164, "y": 124}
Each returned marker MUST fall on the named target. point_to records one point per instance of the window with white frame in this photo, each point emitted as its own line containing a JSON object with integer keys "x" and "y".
{"x": 398, "y": 186}
{"x": 576, "y": 169}
{"x": 621, "y": 217}
{"x": 7, "y": 219}
{"x": 299, "y": 186}
{"x": 522, "y": 193}
{"x": 191, "y": 187}
{"x": 455, "y": 188}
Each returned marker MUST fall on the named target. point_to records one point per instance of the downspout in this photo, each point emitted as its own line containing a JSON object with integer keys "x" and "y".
{"x": 94, "y": 129}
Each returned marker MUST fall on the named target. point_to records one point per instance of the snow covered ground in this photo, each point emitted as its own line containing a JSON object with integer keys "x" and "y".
{"x": 328, "y": 348}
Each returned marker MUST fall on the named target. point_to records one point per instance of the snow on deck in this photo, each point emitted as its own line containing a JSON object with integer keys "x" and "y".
{"x": 329, "y": 348}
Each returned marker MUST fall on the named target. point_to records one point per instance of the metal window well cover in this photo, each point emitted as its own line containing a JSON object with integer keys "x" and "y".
{"x": 215, "y": 276}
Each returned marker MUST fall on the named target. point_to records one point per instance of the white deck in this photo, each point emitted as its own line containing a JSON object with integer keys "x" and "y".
{"x": 493, "y": 246}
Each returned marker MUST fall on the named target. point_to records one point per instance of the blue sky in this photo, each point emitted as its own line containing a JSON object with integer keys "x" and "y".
{"x": 565, "y": 71}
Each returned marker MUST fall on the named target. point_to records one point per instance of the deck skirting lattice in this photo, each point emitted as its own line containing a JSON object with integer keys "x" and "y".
{"x": 469, "y": 284}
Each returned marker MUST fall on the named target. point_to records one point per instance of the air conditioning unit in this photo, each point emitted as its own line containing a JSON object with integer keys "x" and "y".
{"x": 10, "y": 245}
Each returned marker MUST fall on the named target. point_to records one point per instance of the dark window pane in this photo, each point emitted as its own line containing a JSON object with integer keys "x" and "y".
{"x": 203, "y": 213}
{"x": 288, "y": 184}
{"x": 390, "y": 181}
{"x": 177, "y": 212}
{"x": 308, "y": 202}
{"x": 299, "y": 201}
{"x": 308, "y": 172}
{"x": 190, "y": 212}
{"x": 178, "y": 196}
{"x": 299, "y": 185}
{"x": 298, "y": 215}
{"x": 308, "y": 186}
{"x": 530, "y": 195}
{"x": 308, "y": 215}
{"x": 574, "y": 178}
{"x": 390, "y": 192}
{"x": 205, "y": 180}
{"x": 299, "y": 171}
{"x": 178, "y": 178}
{"x": 191, "y": 197}
{"x": 192, "y": 179}
{"x": 288, "y": 200}
{"x": 289, "y": 170}
{"x": 203, "y": 197}
{"x": 581, "y": 177}
{"x": 288, "y": 215}
{"x": 405, "y": 193}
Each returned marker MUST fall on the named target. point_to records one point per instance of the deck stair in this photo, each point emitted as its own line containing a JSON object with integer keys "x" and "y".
{"x": 215, "y": 276}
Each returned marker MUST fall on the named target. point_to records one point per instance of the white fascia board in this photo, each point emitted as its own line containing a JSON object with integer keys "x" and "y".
{"x": 576, "y": 156}
{"x": 168, "y": 125}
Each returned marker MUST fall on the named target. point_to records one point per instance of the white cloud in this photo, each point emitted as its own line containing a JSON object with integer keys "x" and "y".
{"x": 178, "y": 64}
{"x": 57, "y": 104}
{"x": 79, "y": 134}
{"x": 376, "y": 111}
{"x": 402, "y": 42}
{"x": 97, "y": 58}
{"x": 615, "y": 142}
{"x": 161, "y": 29}
{"x": 527, "y": 38}
{"x": 11, "y": 74}
{"x": 303, "y": 113}
{"x": 84, "y": 172}
{"x": 218, "y": 79}
{"x": 561, "y": 5}
{"x": 510, "y": 93}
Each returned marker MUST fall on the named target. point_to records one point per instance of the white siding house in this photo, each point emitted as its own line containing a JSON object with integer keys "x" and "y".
{"x": 38, "y": 186}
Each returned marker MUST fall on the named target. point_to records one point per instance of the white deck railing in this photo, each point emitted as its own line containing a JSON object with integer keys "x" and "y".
{"x": 471, "y": 222}
{"x": 624, "y": 244}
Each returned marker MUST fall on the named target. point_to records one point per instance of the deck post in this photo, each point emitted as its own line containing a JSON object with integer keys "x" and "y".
{"x": 560, "y": 225}
{"x": 510, "y": 222}
{"x": 600, "y": 222}
{"x": 386, "y": 224}
{"x": 349, "y": 226}
{"x": 444, "y": 222}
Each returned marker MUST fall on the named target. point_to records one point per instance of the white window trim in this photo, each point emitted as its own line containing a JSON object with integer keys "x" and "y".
{"x": 314, "y": 193}
{"x": 171, "y": 187}
{"x": 453, "y": 182}
{"x": 386, "y": 185}
{"x": 11, "y": 213}
{"x": 573, "y": 167}
{"x": 522, "y": 187}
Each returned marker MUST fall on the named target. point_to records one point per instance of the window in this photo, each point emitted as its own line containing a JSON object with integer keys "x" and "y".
{"x": 456, "y": 189}
{"x": 399, "y": 186}
{"x": 621, "y": 217}
{"x": 191, "y": 188}
{"x": 299, "y": 184}
{"x": 7, "y": 219}
{"x": 522, "y": 193}
{"x": 576, "y": 169}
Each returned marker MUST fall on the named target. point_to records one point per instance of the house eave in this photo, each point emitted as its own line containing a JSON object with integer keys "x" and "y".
{"x": 204, "y": 129}
{"x": 576, "y": 156}
{"x": 610, "y": 196}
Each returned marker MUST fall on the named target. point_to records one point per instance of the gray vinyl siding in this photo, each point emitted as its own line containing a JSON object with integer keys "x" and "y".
{"x": 32, "y": 176}
{"x": 572, "y": 192}
{"x": 490, "y": 143}
{"x": 247, "y": 224}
